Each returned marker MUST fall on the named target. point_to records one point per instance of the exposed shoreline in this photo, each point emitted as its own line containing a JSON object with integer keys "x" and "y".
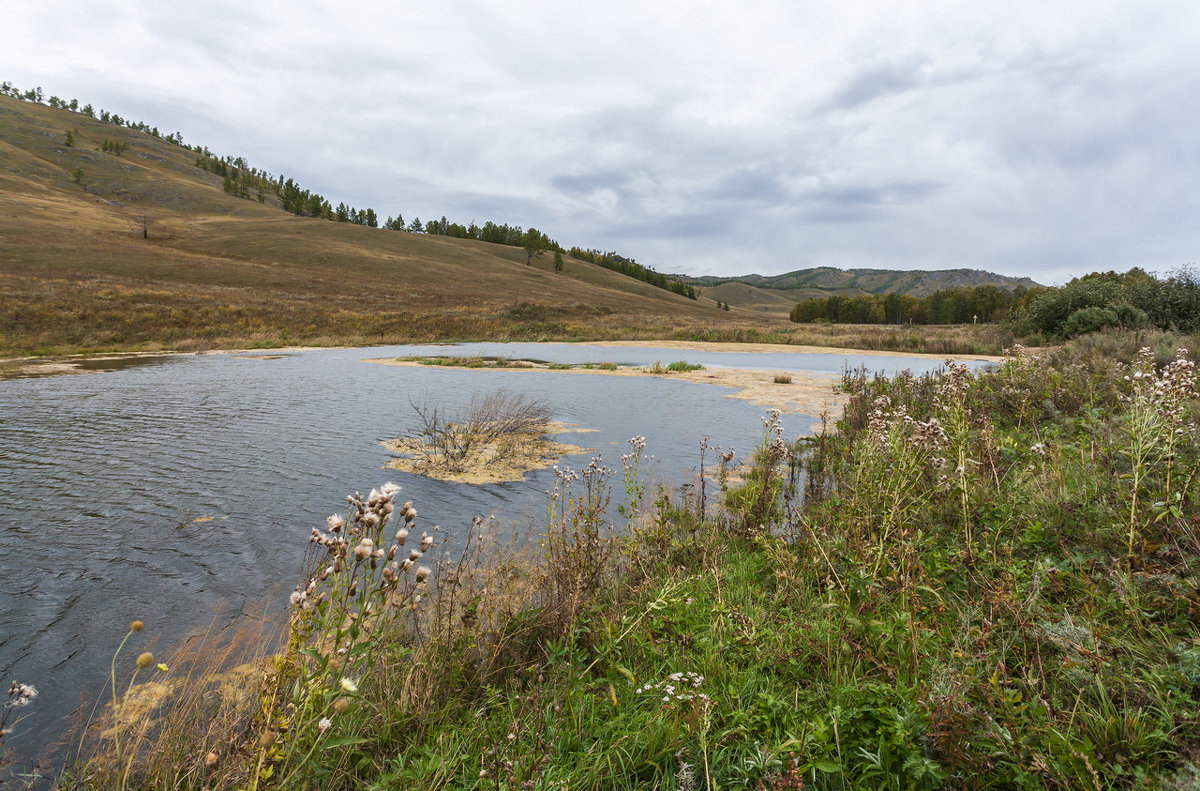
{"x": 786, "y": 348}
{"x": 807, "y": 394}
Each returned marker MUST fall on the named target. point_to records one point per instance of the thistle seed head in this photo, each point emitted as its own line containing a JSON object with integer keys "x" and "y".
{"x": 364, "y": 549}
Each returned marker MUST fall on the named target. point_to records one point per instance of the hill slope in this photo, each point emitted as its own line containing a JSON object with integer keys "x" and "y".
{"x": 215, "y": 270}
{"x": 826, "y": 281}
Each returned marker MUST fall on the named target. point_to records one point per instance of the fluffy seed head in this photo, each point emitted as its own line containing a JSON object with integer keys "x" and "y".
{"x": 137, "y": 626}
{"x": 145, "y": 660}
{"x": 364, "y": 549}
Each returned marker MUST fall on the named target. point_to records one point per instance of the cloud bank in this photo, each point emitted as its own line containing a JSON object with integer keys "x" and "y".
{"x": 696, "y": 137}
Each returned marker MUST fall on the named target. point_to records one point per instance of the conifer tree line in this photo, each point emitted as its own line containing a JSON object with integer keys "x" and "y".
{"x": 631, "y": 268}
{"x": 244, "y": 181}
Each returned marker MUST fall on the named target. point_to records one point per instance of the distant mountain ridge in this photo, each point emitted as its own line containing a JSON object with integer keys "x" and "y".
{"x": 827, "y": 280}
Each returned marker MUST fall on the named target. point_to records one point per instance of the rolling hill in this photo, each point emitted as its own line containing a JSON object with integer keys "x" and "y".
{"x": 778, "y": 293}
{"x": 111, "y": 238}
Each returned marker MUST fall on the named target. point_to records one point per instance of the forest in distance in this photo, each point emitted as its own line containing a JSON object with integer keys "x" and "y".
{"x": 1132, "y": 300}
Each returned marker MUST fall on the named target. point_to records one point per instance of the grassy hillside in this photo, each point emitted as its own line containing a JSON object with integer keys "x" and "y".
{"x": 216, "y": 270}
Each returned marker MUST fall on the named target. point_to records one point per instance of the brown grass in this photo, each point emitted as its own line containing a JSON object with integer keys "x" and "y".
{"x": 205, "y": 704}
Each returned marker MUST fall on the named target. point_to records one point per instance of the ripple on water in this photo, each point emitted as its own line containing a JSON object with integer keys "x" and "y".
{"x": 98, "y": 472}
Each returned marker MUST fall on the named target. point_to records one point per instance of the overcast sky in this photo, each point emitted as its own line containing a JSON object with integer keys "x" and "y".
{"x": 1044, "y": 139}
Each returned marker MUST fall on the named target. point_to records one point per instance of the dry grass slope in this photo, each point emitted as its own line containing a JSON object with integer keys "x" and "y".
{"x": 77, "y": 275}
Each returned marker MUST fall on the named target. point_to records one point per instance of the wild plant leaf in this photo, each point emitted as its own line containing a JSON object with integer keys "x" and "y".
{"x": 344, "y": 741}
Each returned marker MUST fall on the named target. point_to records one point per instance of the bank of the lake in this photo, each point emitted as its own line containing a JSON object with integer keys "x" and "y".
{"x": 184, "y": 485}
{"x": 961, "y": 601}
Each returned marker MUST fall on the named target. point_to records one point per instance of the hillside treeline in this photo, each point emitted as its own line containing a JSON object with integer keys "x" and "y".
{"x": 961, "y": 305}
{"x": 244, "y": 181}
{"x": 631, "y": 268}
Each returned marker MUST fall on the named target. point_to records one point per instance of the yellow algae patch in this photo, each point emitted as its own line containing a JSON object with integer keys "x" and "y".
{"x": 488, "y": 459}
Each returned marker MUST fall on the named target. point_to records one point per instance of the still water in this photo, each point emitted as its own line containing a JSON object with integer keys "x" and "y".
{"x": 187, "y": 485}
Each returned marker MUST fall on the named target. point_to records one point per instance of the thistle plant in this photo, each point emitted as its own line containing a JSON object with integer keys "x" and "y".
{"x": 757, "y": 502}
{"x": 635, "y": 487}
{"x": 1158, "y": 421}
{"x": 363, "y": 580}
{"x": 579, "y": 540}
{"x": 955, "y": 415}
{"x": 19, "y": 696}
{"x": 898, "y": 461}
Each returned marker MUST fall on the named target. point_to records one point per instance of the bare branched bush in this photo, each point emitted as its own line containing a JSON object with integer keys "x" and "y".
{"x": 498, "y": 420}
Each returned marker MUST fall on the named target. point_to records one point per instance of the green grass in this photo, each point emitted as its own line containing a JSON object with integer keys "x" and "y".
{"x": 679, "y": 366}
{"x": 991, "y": 583}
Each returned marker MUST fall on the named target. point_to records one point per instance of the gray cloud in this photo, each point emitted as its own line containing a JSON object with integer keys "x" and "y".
{"x": 705, "y": 138}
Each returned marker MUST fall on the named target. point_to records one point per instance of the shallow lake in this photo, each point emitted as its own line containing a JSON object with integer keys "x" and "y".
{"x": 188, "y": 484}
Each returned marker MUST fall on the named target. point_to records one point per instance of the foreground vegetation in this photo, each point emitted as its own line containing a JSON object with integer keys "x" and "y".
{"x": 981, "y": 581}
